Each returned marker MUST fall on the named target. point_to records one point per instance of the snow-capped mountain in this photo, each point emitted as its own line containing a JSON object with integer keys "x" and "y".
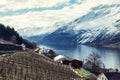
{"x": 35, "y": 31}
{"x": 100, "y": 23}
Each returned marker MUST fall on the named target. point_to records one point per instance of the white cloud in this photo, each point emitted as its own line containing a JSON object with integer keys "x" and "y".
{"x": 79, "y": 1}
{"x": 97, "y": 2}
{"x": 45, "y": 18}
{"x": 28, "y": 4}
{"x": 48, "y": 18}
{"x": 14, "y": 5}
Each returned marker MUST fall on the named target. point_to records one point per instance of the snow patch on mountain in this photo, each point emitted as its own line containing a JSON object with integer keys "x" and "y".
{"x": 99, "y": 23}
{"x": 33, "y": 31}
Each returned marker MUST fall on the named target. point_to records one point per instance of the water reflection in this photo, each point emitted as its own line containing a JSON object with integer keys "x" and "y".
{"x": 110, "y": 57}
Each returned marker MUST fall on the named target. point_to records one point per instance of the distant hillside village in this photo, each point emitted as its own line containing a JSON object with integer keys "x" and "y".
{"x": 11, "y": 43}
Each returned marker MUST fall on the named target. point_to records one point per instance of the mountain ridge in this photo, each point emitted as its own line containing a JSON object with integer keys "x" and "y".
{"x": 99, "y": 24}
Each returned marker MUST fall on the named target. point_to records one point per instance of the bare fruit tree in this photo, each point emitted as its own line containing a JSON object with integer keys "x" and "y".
{"x": 94, "y": 60}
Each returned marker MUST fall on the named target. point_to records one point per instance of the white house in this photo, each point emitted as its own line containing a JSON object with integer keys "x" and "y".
{"x": 41, "y": 50}
{"x": 23, "y": 46}
{"x": 59, "y": 58}
{"x": 102, "y": 77}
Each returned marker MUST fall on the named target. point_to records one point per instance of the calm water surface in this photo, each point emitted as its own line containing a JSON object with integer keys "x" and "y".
{"x": 110, "y": 57}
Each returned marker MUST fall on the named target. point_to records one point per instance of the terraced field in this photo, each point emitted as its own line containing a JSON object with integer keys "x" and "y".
{"x": 32, "y": 66}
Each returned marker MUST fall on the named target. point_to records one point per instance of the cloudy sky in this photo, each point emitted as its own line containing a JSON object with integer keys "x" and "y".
{"x": 42, "y": 13}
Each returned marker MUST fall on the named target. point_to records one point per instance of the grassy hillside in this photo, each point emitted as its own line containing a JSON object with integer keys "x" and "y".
{"x": 32, "y": 66}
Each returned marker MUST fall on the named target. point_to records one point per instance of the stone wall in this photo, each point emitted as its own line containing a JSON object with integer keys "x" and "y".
{"x": 10, "y": 47}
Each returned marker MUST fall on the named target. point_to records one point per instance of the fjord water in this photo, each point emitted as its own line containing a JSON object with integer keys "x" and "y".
{"x": 110, "y": 57}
